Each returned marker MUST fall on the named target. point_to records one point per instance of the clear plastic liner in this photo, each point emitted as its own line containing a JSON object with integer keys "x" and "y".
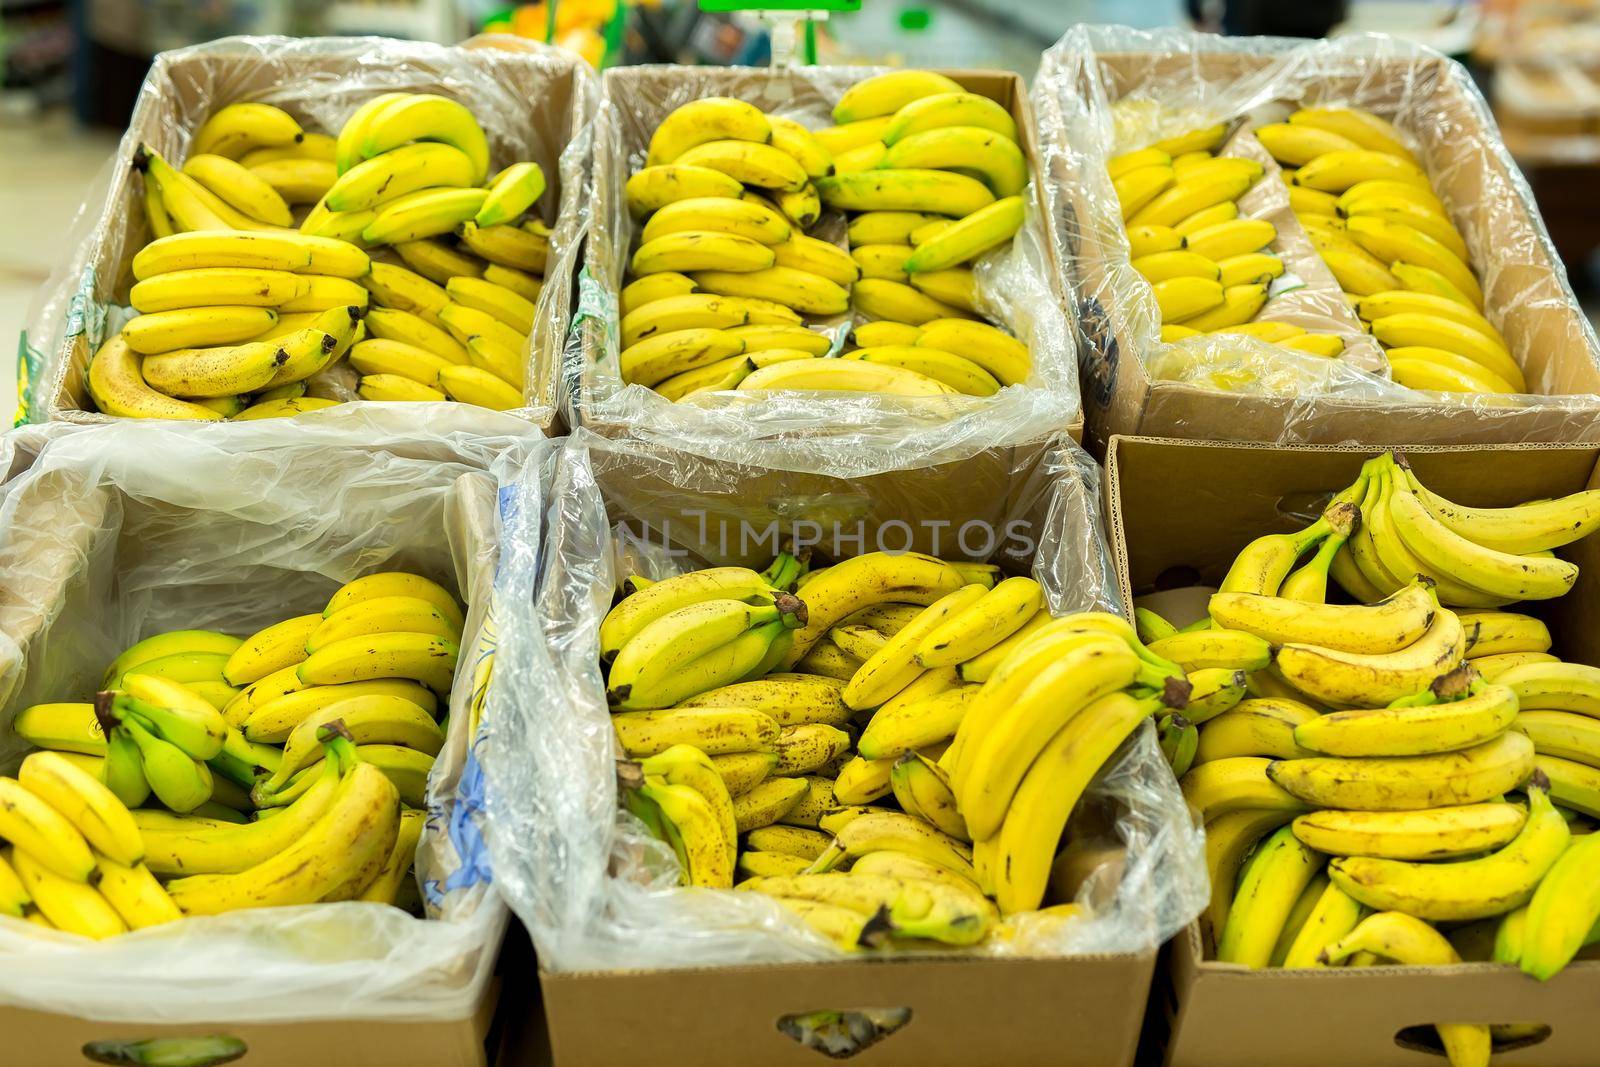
{"x": 1104, "y": 90}
{"x": 534, "y": 103}
{"x": 1017, "y": 288}
{"x": 594, "y": 888}
{"x": 121, "y": 531}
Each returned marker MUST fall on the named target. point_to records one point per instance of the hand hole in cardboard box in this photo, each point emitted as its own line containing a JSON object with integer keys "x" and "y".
{"x": 1506, "y": 1037}
{"x": 840, "y": 1033}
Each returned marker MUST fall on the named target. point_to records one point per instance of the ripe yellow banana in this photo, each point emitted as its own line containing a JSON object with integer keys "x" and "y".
{"x": 708, "y": 119}
{"x": 1227, "y": 240}
{"x": 1387, "y": 626}
{"x": 1189, "y": 195}
{"x": 297, "y": 252}
{"x": 438, "y": 261}
{"x": 1296, "y": 144}
{"x": 1354, "y": 679}
{"x": 1186, "y": 297}
{"x": 879, "y": 298}
{"x": 935, "y": 192}
{"x": 743, "y": 218}
{"x": 993, "y": 156}
{"x": 1394, "y": 241}
{"x": 1501, "y": 574}
{"x": 1229, "y": 839}
{"x": 35, "y": 827}
{"x": 766, "y": 803}
{"x": 426, "y": 658}
{"x": 239, "y": 188}
{"x": 1334, "y": 172}
{"x": 1406, "y": 783}
{"x": 1273, "y": 881}
{"x": 1215, "y": 215}
{"x": 474, "y": 385}
{"x": 1262, "y": 726}
{"x": 297, "y": 181}
{"x": 986, "y": 228}
{"x": 885, "y": 94}
{"x": 68, "y": 904}
{"x": 210, "y": 286}
{"x": 426, "y": 117}
{"x": 1236, "y": 784}
{"x": 1240, "y": 303}
{"x": 749, "y": 162}
{"x": 1413, "y": 730}
{"x": 957, "y": 372}
{"x": 87, "y": 804}
{"x": 1563, "y": 911}
{"x": 235, "y": 129}
{"x": 1425, "y": 834}
{"x": 118, "y": 388}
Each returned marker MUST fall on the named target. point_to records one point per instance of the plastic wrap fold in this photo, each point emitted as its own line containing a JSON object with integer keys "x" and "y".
{"x": 117, "y": 532}
{"x": 533, "y": 102}
{"x": 824, "y": 430}
{"x": 595, "y": 890}
{"x": 1104, "y": 90}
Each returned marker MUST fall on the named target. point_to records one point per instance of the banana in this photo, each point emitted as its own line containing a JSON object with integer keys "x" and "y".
{"x": 742, "y": 218}
{"x": 1240, "y": 303}
{"x": 155, "y": 212}
{"x": 702, "y": 311}
{"x": 879, "y": 298}
{"x": 1364, "y": 679}
{"x": 1410, "y": 213}
{"x": 1563, "y": 734}
{"x": 404, "y": 290}
{"x": 191, "y": 206}
{"x": 790, "y": 699}
{"x": 465, "y": 323}
{"x": 801, "y": 290}
{"x": 1187, "y": 297}
{"x": 426, "y": 658}
{"x": 1228, "y": 649}
{"x": 997, "y": 352}
{"x": 1296, "y": 144}
{"x": 1555, "y": 687}
{"x": 35, "y": 827}
{"x": 1530, "y": 528}
{"x": 87, "y": 804}
{"x": 239, "y": 188}
{"x": 1575, "y": 786}
{"x": 996, "y": 761}
{"x": 1334, "y": 172}
{"x": 192, "y": 327}
{"x": 426, "y": 117}
{"x": 1048, "y": 793}
{"x": 1362, "y": 127}
{"x": 960, "y": 374}
{"x": 748, "y": 162}
{"x": 216, "y": 286}
{"x": 821, "y": 258}
{"x": 1425, "y": 834}
{"x": 765, "y": 804}
{"x": 863, "y": 781}
{"x": 1215, "y": 215}
{"x": 297, "y": 181}
{"x": 894, "y": 832}
{"x": 1263, "y": 726}
{"x": 380, "y": 357}
{"x": 1354, "y": 269}
{"x": 1492, "y": 667}
{"x": 1239, "y": 783}
{"x": 238, "y": 128}
{"x": 179, "y": 781}
{"x": 987, "y": 227}
{"x": 886, "y": 94}
{"x": 1421, "y": 279}
{"x": 887, "y": 227}
{"x": 439, "y": 262}
{"x": 1303, "y": 201}
{"x": 865, "y": 580}
{"x": 1227, "y": 240}
{"x": 522, "y": 248}
{"x": 1213, "y": 691}
{"x": 1388, "y": 626}
{"x": 1494, "y": 633}
{"x": 1434, "y": 369}
{"x": 425, "y": 213}
{"x": 993, "y": 156}
{"x": 1397, "y": 558}
{"x": 773, "y": 865}
{"x": 922, "y": 788}
{"x": 762, "y": 338}
{"x": 511, "y": 192}
{"x": 715, "y": 731}
{"x": 387, "y": 614}
{"x": 1413, "y": 730}
{"x": 894, "y": 666}
{"x": 389, "y": 324}
{"x": 1160, "y": 266}
{"x": 708, "y": 119}
{"x": 996, "y": 615}
{"x": 1497, "y": 573}
{"x": 701, "y": 250}
{"x": 274, "y": 409}
{"x": 802, "y": 207}
{"x": 1414, "y": 329}
{"x": 1563, "y": 911}
{"x": 815, "y": 806}
{"x": 650, "y": 361}
{"x": 1274, "y": 879}
{"x": 1136, "y": 188}
{"x": 474, "y": 385}
{"x": 296, "y": 252}
{"x": 135, "y": 895}
{"x": 1229, "y": 839}
{"x": 806, "y": 749}
{"x": 355, "y": 835}
{"x": 1463, "y": 889}
{"x": 61, "y": 727}
{"x": 1117, "y": 166}
{"x": 14, "y": 898}
{"x": 407, "y": 768}
{"x": 686, "y": 767}
{"x": 1151, "y": 240}
{"x": 1407, "y": 783}
{"x": 1326, "y": 345}
{"x": 796, "y": 842}
{"x": 1394, "y": 241}
{"x": 953, "y": 913}
{"x": 934, "y": 192}
{"x": 942, "y": 110}
{"x": 270, "y": 650}
{"x": 1189, "y": 195}
{"x": 370, "y": 720}
{"x": 625, "y": 621}
{"x": 655, "y": 187}
{"x": 68, "y": 904}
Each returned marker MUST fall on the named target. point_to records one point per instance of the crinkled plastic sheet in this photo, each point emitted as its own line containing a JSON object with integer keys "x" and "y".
{"x": 119, "y": 531}
{"x": 594, "y": 888}
{"x": 842, "y": 432}
{"x": 1103, "y": 90}
{"x": 534, "y": 103}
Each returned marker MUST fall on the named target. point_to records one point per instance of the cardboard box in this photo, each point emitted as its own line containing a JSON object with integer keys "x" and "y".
{"x": 1082, "y": 1011}
{"x": 119, "y": 532}
{"x": 537, "y": 103}
{"x": 635, "y": 99}
{"x": 1529, "y": 298}
{"x": 1183, "y": 510}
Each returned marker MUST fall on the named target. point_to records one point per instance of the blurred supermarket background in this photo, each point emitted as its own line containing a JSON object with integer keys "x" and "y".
{"x": 70, "y": 69}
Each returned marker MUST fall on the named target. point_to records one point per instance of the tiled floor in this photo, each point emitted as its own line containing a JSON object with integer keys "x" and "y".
{"x": 50, "y": 166}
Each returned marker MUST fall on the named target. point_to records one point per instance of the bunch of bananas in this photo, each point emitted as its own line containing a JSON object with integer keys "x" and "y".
{"x": 922, "y": 723}
{"x": 289, "y": 766}
{"x": 1358, "y": 794}
{"x": 1208, "y": 267}
{"x": 1367, "y": 205}
{"x": 236, "y": 303}
{"x": 724, "y": 272}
